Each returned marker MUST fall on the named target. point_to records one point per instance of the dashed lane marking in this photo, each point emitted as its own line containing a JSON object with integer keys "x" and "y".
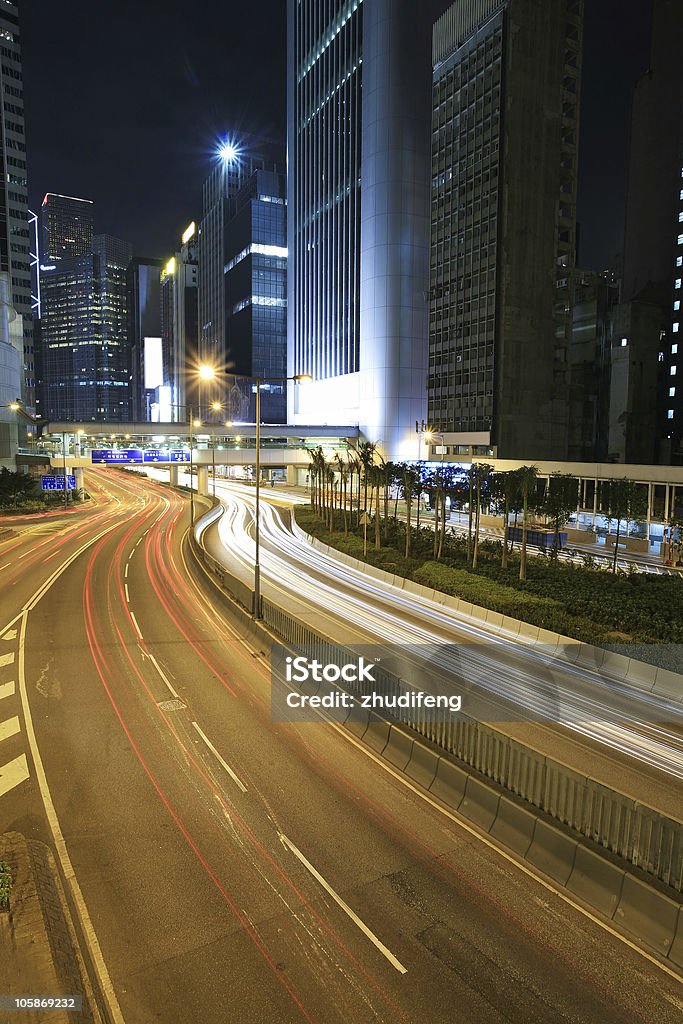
{"x": 6, "y": 659}
{"x": 12, "y": 773}
{"x": 7, "y": 689}
{"x": 9, "y": 728}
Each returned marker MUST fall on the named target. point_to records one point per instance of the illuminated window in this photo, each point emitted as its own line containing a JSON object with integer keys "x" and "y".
{"x": 670, "y": 414}
{"x": 675, "y": 327}
{"x": 674, "y": 350}
{"x": 672, "y": 392}
{"x": 672, "y": 371}
{"x": 679, "y": 261}
{"x": 677, "y": 305}
{"x": 680, "y": 217}
{"x": 677, "y": 283}
{"x": 680, "y": 239}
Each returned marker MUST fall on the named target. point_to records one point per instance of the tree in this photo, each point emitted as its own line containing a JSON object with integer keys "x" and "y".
{"x": 560, "y": 500}
{"x": 366, "y": 455}
{"x": 14, "y": 486}
{"x": 625, "y": 501}
{"x": 482, "y": 482}
{"x": 343, "y": 466}
{"x": 528, "y": 475}
{"x": 409, "y": 476}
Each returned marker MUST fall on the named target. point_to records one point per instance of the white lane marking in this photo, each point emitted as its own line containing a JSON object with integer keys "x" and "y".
{"x": 104, "y": 979}
{"x": 6, "y": 690}
{"x": 345, "y": 907}
{"x": 9, "y": 728}
{"x": 492, "y": 845}
{"x": 10, "y": 634}
{"x": 127, "y": 594}
{"x": 125, "y": 574}
{"x": 161, "y": 672}
{"x": 6, "y": 659}
{"x": 12, "y": 773}
{"x": 6, "y": 565}
{"x": 135, "y": 623}
{"x": 235, "y": 779}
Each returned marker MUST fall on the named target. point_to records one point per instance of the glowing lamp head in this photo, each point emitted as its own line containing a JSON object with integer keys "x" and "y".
{"x": 227, "y": 151}
{"x": 207, "y": 372}
{"x": 14, "y": 406}
{"x": 215, "y": 406}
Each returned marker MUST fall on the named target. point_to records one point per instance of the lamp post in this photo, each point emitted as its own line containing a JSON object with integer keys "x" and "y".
{"x": 195, "y": 423}
{"x": 216, "y": 406}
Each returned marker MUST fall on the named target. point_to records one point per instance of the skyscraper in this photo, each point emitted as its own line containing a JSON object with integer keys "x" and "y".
{"x": 234, "y": 167}
{"x": 86, "y": 357}
{"x": 14, "y": 229}
{"x": 67, "y": 225}
{"x": 255, "y": 275}
{"x": 504, "y": 165}
{"x": 358, "y": 214}
{"x": 179, "y": 326}
{"x": 144, "y": 333}
{"x": 648, "y": 400}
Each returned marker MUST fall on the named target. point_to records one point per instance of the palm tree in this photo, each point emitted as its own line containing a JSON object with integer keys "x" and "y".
{"x": 366, "y": 455}
{"x": 409, "y": 476}
{"x": 528, "y": 476}
{"x": 482, "y": 484}
{"x": 343, "y": 468}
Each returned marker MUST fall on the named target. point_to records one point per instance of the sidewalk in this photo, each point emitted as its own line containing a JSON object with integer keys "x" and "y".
{"x": 38, "y": 943}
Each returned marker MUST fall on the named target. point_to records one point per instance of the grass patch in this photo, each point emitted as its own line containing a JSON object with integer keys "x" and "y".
{"x": 586, "y": 604}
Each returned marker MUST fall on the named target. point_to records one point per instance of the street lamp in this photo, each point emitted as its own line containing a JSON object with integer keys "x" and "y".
{"x": 216, "y": 406}
{"x": 195, "y": 423}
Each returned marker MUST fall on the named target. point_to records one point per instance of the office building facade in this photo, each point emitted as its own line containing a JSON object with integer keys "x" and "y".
{"x": 503, "y": 223}
{"x": 14, "y": 228}
{"x": 220, "y": 188}
{"x": 255, "y": 277}
{"x": 653, "y": 253}
{"x": 179, "y": 330}
{"x": 67, "y": 227}
{"x": 144, "y": 333}
{"x": 86, "y": 357}
{"x": 358, "y": 214}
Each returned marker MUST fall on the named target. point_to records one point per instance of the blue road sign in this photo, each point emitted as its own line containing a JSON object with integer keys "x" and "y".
{"x": 155, "y": 455}
{"x": 111, "y": 457}
{"x": 179, "y": 455}
{"x": 56, "y": 483}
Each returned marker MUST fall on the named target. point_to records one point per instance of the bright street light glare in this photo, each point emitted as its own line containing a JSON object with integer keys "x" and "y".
{"x": 207, "y": 372}
{"x": 227, "y": 152}
{"x": 215, "y": 406}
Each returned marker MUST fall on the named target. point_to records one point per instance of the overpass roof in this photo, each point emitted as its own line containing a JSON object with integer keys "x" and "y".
{"x": 149, "y": 430}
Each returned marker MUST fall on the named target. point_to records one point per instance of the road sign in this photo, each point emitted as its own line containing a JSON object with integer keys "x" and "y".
{"x": 116, "y": 457}
{"x": 154, "y": 455}
{"x": 179, "y": 455}
{"x": 56, "y": 483}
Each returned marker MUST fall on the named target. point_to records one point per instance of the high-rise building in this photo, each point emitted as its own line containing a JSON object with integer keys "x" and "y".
{"x": 595, "y": 297}
{"x": 503, "y": 223}
{"x": 255, "y": 276}
{"x": 144, "y": 333}
{"x": 179, "y": 330}
{"x": 86, "y": 357}
{"x": 234, "y": 167}
{"x": 358, "y": 214}
{"x": 648, "y": 418}
{"x": 67, "y": 226}
{"x": 14, "y": 229}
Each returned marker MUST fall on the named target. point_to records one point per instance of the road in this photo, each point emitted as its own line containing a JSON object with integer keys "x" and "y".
{"x": 234, "y": 869}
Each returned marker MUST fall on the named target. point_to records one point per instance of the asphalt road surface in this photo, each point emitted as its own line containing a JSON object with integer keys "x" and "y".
{"x": 238, "y": 870}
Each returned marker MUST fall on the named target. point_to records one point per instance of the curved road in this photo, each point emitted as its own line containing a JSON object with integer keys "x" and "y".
{"x": 239, "y": 870}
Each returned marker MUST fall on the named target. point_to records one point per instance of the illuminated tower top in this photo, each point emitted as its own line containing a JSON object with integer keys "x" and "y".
{"x": 67, "y": 227}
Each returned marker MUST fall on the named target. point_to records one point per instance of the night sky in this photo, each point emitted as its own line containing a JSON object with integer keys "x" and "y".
{"x": 125, "y": 102}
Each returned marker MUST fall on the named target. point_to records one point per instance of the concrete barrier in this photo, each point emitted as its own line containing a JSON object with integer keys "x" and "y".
{"x": 480, "y": 803}
{"x": 668, "y": 684}
{"x": 449, "y": 783}
{"x": 513, "y": 826}
{"x": 676, "y": 952}
{"x": 640, "y": 674}
{"x": 596, "y": 880}
{"x": 422, "y": 765}
{"x": 552, "y": 851}
{"x": 648, "y": 914}
{"x": 399, "y": 748}
{"x": 357, "y": 726}
{"x": 377, "y": 733}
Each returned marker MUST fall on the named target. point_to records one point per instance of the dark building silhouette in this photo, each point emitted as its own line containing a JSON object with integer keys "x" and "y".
{"x": 503, "y": 224}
